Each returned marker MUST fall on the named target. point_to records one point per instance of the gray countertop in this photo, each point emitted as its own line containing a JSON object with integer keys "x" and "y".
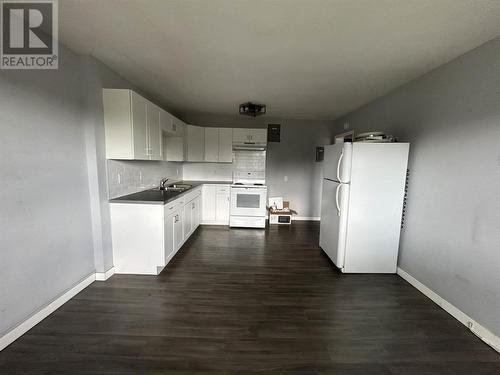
{"x": 156, "y": 196}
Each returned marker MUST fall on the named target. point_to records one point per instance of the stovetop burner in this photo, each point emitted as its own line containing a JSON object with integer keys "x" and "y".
{"x": 248, "y": 184}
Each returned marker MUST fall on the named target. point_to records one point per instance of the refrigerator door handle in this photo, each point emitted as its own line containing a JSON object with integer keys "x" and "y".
{"x": 338, "y": 166}
{"x": 337, "y": 198}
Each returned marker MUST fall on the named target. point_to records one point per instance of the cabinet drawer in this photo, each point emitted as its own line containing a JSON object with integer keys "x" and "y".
{"x": 174, "y": 206}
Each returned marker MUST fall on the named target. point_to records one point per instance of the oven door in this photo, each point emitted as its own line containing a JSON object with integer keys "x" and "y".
{"x": 246, "y": 201}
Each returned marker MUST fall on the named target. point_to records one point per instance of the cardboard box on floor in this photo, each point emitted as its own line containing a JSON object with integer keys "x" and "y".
{"x": 281, "y": 216}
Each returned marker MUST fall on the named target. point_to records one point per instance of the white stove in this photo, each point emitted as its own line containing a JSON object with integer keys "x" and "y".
{"x": 248, "y": 184}
{"x": 248, "y": 204}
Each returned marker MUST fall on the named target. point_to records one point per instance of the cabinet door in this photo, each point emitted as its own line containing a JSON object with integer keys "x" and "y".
{"x": 118, "y": 124}
{"x": 139, "y": 126}
{"x": 223, "y": 202}
{"x": 165, "y": 121}
{"x": 258, "y": 135}
{"x": 225, "y": 145}
{"x": 177, "y": 127}
{"x": 154, "y": 131}
{"x": 208, "y": 203}
{"x": 196, "y": 212}
{"x": 212, "y": 144}
{"x": 187, "y": 221}
{"x": 178, "y": 235}
{"x": 241, "y": 135}
{"x": 195, "y": 143}
{"x": 170, "y": 235}
{"x": 173, "y": 148}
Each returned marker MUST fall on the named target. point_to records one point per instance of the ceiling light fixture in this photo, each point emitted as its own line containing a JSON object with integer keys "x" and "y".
{"x": 252, "y": 109}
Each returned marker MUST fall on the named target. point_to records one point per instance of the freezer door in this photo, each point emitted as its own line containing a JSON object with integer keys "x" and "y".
{"x": 337, "y": 162}
{"x": 333, "y": 225}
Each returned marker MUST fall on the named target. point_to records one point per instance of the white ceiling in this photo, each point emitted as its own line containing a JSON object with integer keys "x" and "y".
{"x": 313, "y": 59}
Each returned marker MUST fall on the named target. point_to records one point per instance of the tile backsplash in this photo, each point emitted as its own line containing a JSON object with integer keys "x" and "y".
{"x": 208, "y": 171}
{"x": 130, "y": 176}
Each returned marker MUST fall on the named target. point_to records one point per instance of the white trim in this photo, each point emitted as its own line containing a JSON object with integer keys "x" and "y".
{"x": 482, "y": 332}
{"x": 37, "y": 317}
{"x": 103, "y": 276}
{"x": 306, "y": 218}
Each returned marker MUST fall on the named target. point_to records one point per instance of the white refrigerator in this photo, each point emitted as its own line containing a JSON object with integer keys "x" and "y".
{"x": 362, "y": 205}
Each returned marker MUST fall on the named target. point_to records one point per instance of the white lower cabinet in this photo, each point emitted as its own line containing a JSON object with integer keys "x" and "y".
{"x": 178, "y": 237}
{"x": 191, "y": 218}
{"x": 173, "y": 234}
{"x": 145, "y": 237}
{"x": 215, "y": 204}
{"x": 187, "y": 221}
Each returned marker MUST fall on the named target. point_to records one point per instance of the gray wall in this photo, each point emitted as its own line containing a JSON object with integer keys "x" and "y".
{"x": 96, "y": 76}
{"x": 294, "y": 157}
{"x": 46, "y": 244}
{"x": 451, "y": 116}
{"x": 55, "y": 224}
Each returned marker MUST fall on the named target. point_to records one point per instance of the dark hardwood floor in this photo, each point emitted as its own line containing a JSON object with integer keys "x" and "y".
{"x": 244, "y": 301}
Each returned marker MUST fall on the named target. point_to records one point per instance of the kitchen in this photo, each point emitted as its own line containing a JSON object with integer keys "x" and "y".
{"x": 137, "y": 177}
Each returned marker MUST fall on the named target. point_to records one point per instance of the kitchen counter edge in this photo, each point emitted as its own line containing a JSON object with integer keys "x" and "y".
{"x": 134, "y": 197}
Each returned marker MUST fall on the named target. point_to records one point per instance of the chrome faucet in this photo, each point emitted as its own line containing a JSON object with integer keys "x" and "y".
{"x": 162, "y": 183}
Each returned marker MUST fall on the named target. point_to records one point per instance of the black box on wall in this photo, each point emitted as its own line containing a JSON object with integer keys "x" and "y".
{"x": 320, "y": 153}
{"x": 274, "y": 133}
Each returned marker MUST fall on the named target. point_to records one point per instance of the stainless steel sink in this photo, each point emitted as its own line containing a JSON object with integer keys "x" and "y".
{"x": 179, "y": 186}
{"x": 174, "y": 187}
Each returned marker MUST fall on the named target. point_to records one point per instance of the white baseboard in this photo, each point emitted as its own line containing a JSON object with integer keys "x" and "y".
{"x": 37, "y": 317}
{"x": 103, "y": 276}
{"x": 214, "y": 223}
{"x": 482, "y": 332}
{"x": 306, "y": 218}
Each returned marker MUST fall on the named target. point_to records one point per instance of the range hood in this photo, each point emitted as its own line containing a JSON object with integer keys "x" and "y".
{"x": 249, "y": 146}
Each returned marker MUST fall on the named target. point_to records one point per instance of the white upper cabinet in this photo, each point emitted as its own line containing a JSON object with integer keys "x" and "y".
{"x": 172, "y": 133}
{"x": 173, "y": 148}
{"x": 241, "y": 135}
{"x": 212, "y": 144}
{"x": 258, "y": 135}
{"x": 177, "y": 127}
{"x": 132, "y": 126}
{"x": 154, "y": 132}
{"x": 139, "y": 127}
{"x": 195, "y": 143}
{"x": 219, "y": 145}
{"x": 225, "y": 145}
{"x": 165, "y": 121}
{"x": 249, "y": 136}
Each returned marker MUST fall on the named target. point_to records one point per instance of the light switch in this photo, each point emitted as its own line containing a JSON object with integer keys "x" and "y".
{"x": 285, "y": 178}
